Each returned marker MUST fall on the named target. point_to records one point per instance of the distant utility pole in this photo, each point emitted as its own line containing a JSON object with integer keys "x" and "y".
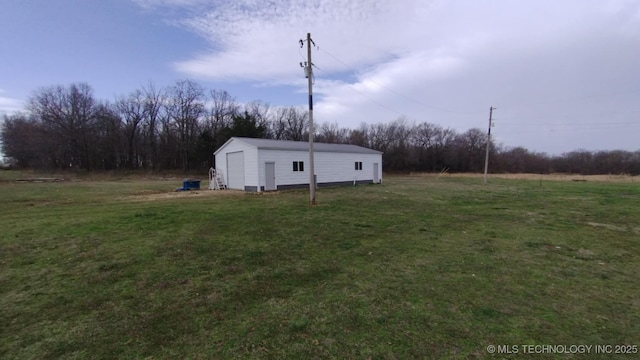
{"x": 308, "y": 72}
{"x": 486, "y": 158}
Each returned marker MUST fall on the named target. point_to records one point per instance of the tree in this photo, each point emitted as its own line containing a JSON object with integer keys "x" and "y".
{"x": 332, "y": 133}
{"x": 514, "y": 160}
{"x": 576, "y": 162}
{"x": 132, "y": 111}
{"x": 444, "y": 143}
{"x": 68, "y": 115}
{"x": 223, "y": 108}
{"x": 392, "y": 140}
{"x": 470, "y": 150}
{"x": 178, "y": 128}
{"x": 290, "y": 123}
{"x": 109, "y": 146}
{"x": 211, "y": 136}
{"x": 22, "y": 140}
{"x": 154, "y": 110}
{"x": 430, "y": 142}
{"x": 259, "y": 111}
{"x": 185, "y": 108}
{"x": 359, "y": 136}
{"x": 245, "y": 125}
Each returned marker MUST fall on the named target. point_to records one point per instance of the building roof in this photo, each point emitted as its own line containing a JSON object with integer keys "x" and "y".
{"x": 269, "y": 144}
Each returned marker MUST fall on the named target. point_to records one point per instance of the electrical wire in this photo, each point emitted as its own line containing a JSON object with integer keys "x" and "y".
{"x": 572, "y": 99}
{"x": 556, "y": 126}
{"x": 574, "y": 124}
{"x": 329, "y": 75}
{"x": 365, "y": 96}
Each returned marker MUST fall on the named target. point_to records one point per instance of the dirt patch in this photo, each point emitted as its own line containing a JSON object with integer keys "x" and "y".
{"x": 185, "y": 194}
{"x": 40, "y": 179}
{"x": 608, "y": 226}
{"x": 585, "y": 253}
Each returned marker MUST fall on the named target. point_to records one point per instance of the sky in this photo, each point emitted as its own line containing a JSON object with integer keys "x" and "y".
{"x": 562, "y": 75}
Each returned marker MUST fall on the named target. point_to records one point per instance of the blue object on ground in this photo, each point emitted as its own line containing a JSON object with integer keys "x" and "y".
{"x": 190, "y": 184}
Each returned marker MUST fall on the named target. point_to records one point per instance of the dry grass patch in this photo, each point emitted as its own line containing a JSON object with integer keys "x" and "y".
{"x": 622, "y": 178}
{"x": 154, "y": 196}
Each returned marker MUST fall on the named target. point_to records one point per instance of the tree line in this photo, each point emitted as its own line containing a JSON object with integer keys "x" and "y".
{"x": 179, "y": 127}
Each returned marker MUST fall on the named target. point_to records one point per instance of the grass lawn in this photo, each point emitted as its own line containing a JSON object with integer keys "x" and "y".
{"x": 418, "y": 267}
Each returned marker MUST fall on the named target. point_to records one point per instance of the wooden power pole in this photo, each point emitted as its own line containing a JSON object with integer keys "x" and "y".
{"x": 486, "y": 158}
{"x": 309, "y": 75}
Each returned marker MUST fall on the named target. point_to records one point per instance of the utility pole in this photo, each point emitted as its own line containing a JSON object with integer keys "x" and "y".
{"x": 308, "y": 70}
{"x": 486, "y": 158}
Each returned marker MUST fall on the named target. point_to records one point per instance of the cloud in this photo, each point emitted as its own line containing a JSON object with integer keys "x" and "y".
{"x": 552, "y": 63}
{"x": 150, "y": 4}
{"x": 9, "y": 105}
{"x": 251, "y": 41}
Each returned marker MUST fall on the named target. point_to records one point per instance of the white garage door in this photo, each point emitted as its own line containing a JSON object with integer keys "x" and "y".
{"x": 235, "y": 170}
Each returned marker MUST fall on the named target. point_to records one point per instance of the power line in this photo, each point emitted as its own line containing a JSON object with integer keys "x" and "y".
{"x": 512, "y": 107}
{"x": 564, "y": 124}
{"x": 366, "y": 96}
{"x": 555, "y": 126}
{"x": 571, "y": 99}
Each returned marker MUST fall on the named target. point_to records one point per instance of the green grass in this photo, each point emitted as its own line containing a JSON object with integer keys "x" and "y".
{"x": 414, "y": 268}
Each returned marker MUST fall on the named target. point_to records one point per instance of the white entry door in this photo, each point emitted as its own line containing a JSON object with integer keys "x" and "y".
{"x": 269, "y": 176}
{"x": 376, "y": 177}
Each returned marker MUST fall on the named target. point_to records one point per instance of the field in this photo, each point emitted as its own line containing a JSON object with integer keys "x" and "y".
{"x": 418, "y": 267}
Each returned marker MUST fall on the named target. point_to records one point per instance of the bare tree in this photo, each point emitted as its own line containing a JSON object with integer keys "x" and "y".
{"x": 396, "y": 135}
{"x": 154, "y": 107}
{"x": 290, "y": 123}
{"x": 109, "y": 144}
{"x": 132, "y": 111}
{"x": 443, "y": 144}
{"x": 69, "y": 115}
{"x": 185, "y": 108}
{"x": 170, "y": 129}
{"x": 223, "y": 108}
{"x": 23, "y": 140}
{"x": 220, "y": 116}
{"x": 470, "y": 150}
{"x": 259, "y": 111}
{"x": 429, "y": 142}
{"x": 278, "y": 124}
{"x": 359, "y": 136}
{"x": 377, "y": 137}
{"x": 424, "y": 135}
{"x": 519, "y": 160}
{"x": 332, "y": 133}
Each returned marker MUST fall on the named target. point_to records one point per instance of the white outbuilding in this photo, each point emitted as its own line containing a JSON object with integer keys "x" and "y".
{"x": 262, "y": 165}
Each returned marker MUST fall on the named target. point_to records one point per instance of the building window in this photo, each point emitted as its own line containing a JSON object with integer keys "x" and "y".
{"x": 358, "y": 165}
{"x": 298, "y": 166}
